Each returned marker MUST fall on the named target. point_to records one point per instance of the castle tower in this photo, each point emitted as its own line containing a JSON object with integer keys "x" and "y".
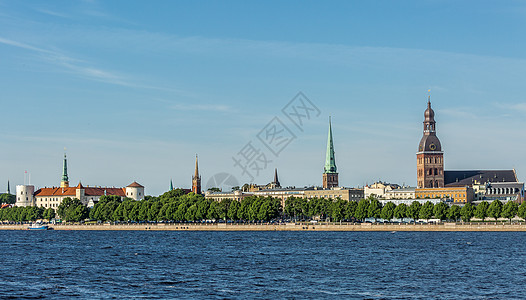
{"x": 64, "y": 183}
{"x": 196, "y": 179}
{"x": 430, "y": 158}
{"x": 25, "y": 195}
{"x": 80, "y": 193}
{"x": 330, "y": 176}
{"x": 135, "y": 191}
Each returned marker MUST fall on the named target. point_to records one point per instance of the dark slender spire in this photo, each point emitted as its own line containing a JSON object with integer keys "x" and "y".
{"x": 330, "y": 161}
{"x": 8, "y": 188}
{"x": 196, "y": 168}
{"x": 171, "y": 185}
{"x": 196, "y": 179}
{"x": 65, "y": 180}
{"x": 276, "y": 181}
{"x": 65, "y": 169}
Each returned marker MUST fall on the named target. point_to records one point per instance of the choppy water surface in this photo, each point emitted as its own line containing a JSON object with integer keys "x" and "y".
{"x": 375, "y": 265}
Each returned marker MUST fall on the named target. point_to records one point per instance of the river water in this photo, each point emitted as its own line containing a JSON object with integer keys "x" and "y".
{"x": 263, "y": 265}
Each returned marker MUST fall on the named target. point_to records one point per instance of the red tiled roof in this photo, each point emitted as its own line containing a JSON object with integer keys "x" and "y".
{"x": 57, "y": 191}
{"x": 72, "y": 191}
{"x": 135, "y": 184}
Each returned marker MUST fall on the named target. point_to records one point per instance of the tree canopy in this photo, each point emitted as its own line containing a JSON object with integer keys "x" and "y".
{"x": 72, "y": 210}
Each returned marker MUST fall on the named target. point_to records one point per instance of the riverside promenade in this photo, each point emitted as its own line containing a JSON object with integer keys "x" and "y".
{"x": 487, "y": 226}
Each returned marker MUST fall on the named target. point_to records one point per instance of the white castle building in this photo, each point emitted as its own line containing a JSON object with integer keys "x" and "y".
{"x": 51, "y": 197}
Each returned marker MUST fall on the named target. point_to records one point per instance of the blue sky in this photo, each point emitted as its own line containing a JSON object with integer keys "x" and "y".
{"x": 134, "y": 89}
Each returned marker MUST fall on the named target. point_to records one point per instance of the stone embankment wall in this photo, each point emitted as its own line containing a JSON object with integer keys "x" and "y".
{"x": 291, "y": 227}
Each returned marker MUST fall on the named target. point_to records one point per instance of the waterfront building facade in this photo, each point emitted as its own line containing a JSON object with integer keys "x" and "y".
{"x": 283, "y": 194}
{"x": 401, "y": 193}
{"x": 458, "y": 195}
{"x": 502, "y": 191}
{"x": 233, "y": 195}
{"x": 379, "y": 189}
{"x": 408, "y": 202}
{"x": 348, "y": 194}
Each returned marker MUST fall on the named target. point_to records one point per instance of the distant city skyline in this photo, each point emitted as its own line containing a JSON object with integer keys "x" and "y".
{"x": 134, "y": 91}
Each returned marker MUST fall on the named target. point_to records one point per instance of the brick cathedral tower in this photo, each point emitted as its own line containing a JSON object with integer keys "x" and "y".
{"x": 196, "y": 179}
{"x": 430, "y": 158}
{"x": 330, "y": 176}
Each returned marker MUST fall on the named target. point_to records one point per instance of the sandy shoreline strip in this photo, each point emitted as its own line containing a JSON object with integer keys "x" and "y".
{"x": 289, "y": 227}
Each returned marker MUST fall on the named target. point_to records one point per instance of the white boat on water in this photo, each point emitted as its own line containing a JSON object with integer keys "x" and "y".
{"x": 38, "y": 226}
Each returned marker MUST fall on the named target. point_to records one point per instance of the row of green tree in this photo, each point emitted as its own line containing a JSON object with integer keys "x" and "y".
{"x": 340, "y": 210}
{"x": 25, "y": 214}
{"x": 70, "y": 210}
{"x": 177, "y": 206}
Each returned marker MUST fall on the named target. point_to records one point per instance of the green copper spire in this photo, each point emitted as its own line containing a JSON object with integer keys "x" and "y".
{"x": 330, "y": 162}
{"x": 171, "y": 185}
{"x": 65, "y": 171}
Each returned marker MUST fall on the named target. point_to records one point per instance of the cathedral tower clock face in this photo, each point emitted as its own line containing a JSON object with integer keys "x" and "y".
{"x": 432, "y": 147}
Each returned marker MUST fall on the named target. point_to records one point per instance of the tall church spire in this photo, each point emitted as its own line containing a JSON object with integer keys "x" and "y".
{"x": 196, "y": 179}
{"x": 65, "y": 180}
{"x": 171, "y": 185}
{"x": 330, "y": 162}
{"x": 276, "y": 181}
{"x": 330, "y": 175}
{"x": 196, "y": 167}
{"x": 8, "y": 188}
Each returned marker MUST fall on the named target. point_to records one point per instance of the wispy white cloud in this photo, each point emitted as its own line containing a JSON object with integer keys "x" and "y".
{"x": 84, "y": 69}
{"x": 52, "y": 13}
{"x": 512, "y": 107}
{"x": 24, "y": 46}
{"x": 71, "y": 63}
